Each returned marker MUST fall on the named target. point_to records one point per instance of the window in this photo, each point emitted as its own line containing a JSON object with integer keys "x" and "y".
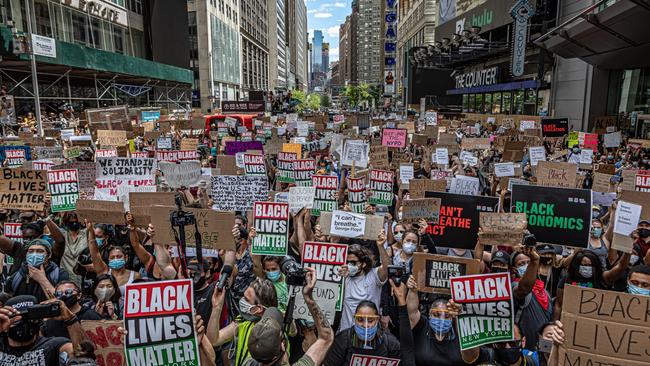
{"x": 118, "y": 39}
{"x": 79, "y": 25}
{"x": 135, "y": 6}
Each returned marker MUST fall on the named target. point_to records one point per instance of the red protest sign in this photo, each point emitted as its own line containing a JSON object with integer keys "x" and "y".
{"x": 357, "y": 194}
{"x": 254, "y": 164}
{"x": 107, "y": 340}
{"x": 394, "y": 137}
{"x": 176, "y": 155}
{"x": 366, "y": 360}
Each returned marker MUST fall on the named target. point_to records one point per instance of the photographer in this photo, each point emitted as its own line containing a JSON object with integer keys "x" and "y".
{"x": 70, "y": 294}
{"x": 268, "y": 345}
{"x": 23, "y": 345}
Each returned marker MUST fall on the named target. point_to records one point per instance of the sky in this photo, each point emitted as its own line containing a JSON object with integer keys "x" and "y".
{"x": 327, "y": 15}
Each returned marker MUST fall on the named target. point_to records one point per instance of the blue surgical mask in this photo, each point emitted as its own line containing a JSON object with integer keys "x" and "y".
{"x": 364, "y": 333}
{"x": 35, "y": 259}
{"x": 398, "y": 236}
{"x": 586, "y": 271}
{"x": 274, "y": 276}
{"x": 636, "y": 290}
{"x": 117, "y": 263}
{"x": 597, "y": 232}
{"x": 440, "y": 326}
{"x": 353, "y": 270}
{"x": 100, "y": 242}
{"x": 409, "y": 247}
{"x": 522, "y": 269}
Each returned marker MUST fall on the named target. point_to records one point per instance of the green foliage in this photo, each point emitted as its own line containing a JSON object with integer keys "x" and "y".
{"x": 312, "y": 102}
{"x": 325, "y": 101}
{"x": 362, "y": 93}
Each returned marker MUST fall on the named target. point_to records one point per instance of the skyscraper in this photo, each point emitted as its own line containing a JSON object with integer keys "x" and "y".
{"x": 254, "y": 42}
{"x": 345, "y": 51}
{"x": 278, "y": 60}
{"x": 369, "y": 45}
{"x": 297, "y": 43}
{"x": 325, "y": 52}
{"x": 317, "y": 45}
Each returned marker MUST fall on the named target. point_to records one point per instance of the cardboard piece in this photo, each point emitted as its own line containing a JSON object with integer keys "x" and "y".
{"x": 553, "y": 174}
{"x": 502, "y": 228}
{"x": 424, "y": 208}
{"x": 215, "y": 227}
{"x": 107, "y": 339}
{"x": 432, "y": 272}
{"x": 101, "y": 212}
{"x": 417, "y": 187}
{"x": 108, "y": 138}
{"x": 22, "y": 189}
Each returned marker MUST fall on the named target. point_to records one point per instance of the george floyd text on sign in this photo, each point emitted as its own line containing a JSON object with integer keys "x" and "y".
{"x": 350, "y": 224}
{"x": 458, "y": 224}
{"x": 432, "y": 272}
{"x": 271, "y": 222}
{"x": 559, "y": 216}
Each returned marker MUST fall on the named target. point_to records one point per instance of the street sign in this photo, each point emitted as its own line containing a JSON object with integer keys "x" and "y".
{"x": 521, "y": 12}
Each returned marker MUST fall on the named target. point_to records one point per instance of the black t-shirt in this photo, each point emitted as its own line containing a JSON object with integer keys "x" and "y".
{"x": 18, "y": 254}
{"x": 203, "y": 302}
{"x": 44, "y": 352}
{"x": 57, "y": 328}
{"x": 430, "y": 351}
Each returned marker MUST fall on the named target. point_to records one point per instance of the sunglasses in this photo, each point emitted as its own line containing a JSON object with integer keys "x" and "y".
{"x": 511, "y": 344}
{"x": 67, "y": 292}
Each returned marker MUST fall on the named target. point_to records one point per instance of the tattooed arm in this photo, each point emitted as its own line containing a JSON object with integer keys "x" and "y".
{"x": 318, "y": 350}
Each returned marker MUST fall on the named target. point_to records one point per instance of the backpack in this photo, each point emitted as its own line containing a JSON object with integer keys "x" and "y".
{"x": 18, "y": 277}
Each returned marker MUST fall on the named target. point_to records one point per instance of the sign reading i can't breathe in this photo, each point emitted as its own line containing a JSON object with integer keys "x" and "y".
{"x": 487, "y": 315}
{"x": 158, "y": 318}
{"x": 272, "y": 228}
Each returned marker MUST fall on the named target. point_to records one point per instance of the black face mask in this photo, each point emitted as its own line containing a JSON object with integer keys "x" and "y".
{"x": 69, "y": 300}
{"x": 499, "y": 270}
{"x": 508, "y": 356}
{"x": 23, "y": 331}
{"x": 73, "y": 226}
{"x": 198, "y": 282}
{"x": 644, "y": 233}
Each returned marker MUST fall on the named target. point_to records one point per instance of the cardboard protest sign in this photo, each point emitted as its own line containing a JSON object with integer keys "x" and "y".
{"x": 394, "y": 137}
{"x": 468, "y": 143}
{"x": 379, "y": 157}
{"x": 48, "y": 152}
{"x": 325, "y": 195}
{"x": 303, "y": 170}
{"x": 381, "y": 187}
{"x": 553, "y": 174}
{"x": 285, "y": 167}
{"x": 238, "y": 192}
{"x": 176, "y": 155}
{"x": 459, "y": 218}
{"x": 22, "y": 189}
{"x": 513, "y": 151}
{"x": 113, "y": 173}
{"x": 254, "y": 164}
{"x": 108, "y": 341}
{"x": 101, "y": 212}
{"x": 357, "y": 194}
{"x": 604, "y": 328}
{"x": 189, "y": 143}
{"x": 559, "y": 216}
{"x": 108, "y": 138}
{"x": 373, "y": 224}
{"x": 502, "y": 228}
{"x": 215, "y": 228}
{"x": 146, "y": 200}
{"x": 367, "y": 360}
{"x": 462, "y": 184}
{"x": 271, "y": 222}
{"x": 326, "y": 259}
{"x": 63, "y": 186}
{"x": 488, "y": 313}
{"x": 301, "y": 197}
{"x": 423, "y": 208}
{"x": 432, "y": 272}
{"x": 555, "y": 127}
{"x": 184, "y": 174}
{"x": 417, "y": 187}
{"x": 159, "y": 316}
{"x": 355, "y": 152}
{"x": 87, "y": 173}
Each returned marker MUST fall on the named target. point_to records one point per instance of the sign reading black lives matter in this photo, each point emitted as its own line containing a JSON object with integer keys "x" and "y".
{"x": 432, "y": 272}
{"x": 458, "y": 223}
{"x": 160, "y": 324}
{"x": 271, "y": 222}
{"x": 325, "y": 197}
{"x": 559, "y": 216}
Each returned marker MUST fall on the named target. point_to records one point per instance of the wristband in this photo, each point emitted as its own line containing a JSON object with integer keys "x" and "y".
{"x": 71, "y": 321}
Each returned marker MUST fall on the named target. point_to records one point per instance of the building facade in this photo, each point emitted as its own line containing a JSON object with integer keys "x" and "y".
{"x": 215, "y": 52}
{"x": 317, "y": 56}
{"x": 105, "y": 53}
{"x": 297, "y": 44}
{"x": 369, "y": 41}
{"x": 254, "y": 32}
{"x": 278, "y": 50}
{"x": 345, "y": 51}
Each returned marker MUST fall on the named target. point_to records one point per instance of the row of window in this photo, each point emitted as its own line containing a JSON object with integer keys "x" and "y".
{"x": 507, "y": 102}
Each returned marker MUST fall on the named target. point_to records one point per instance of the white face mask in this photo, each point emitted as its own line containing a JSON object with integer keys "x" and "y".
{"x": 409, "y": 247}
{"x": 353, "y": 270}
{"x": 634, "y": 259}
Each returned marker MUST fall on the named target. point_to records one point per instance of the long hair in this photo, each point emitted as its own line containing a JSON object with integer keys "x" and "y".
{"x": 575, "y": 264}
{"x": 364, "y": 255}
{"x": 116, "y": 296}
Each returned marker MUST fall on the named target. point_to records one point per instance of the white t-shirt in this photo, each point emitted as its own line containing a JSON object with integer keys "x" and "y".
{"x": 358, "y": 288}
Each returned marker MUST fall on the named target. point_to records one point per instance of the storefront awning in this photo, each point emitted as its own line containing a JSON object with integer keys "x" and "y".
{"x": 516, "y": 85}
{"x": 607, "y": 35}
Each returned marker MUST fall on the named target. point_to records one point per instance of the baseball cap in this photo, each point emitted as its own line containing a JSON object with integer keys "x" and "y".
{"x": 547, "y": 248}
{"x": 21, "y": 301}
{"x": 500, "y": 256}
{"x": 265, "y": 339}
{"x": 644, "y": 221}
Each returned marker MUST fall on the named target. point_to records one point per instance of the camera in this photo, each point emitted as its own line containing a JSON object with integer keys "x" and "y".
{"x": 530, "y": 240}
{"x": 182, "y": 218}
{"x": 294, "y": 273}
{"x": 397, "y": 274}
{"x": 41, "y": 311}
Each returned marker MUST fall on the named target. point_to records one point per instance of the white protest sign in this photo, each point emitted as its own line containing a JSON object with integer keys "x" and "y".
{"x": 442, "y": 156}
{"x": 431, "y": 118}
{"x": 183, "y": 174}
{"x": 469, "y": 158}
{"x": 281, "y": 197}
{"x": 115, "y": 172}
{"x": 301, "y": 197}
{"x": 627, "y": 217}
{"x": 526, "y": 125}
{"x": 355, "y": 151}
{"x": 406, "y": 173}
{"x": 347, "y": 224}
{"x": 238, "y": 192}
{"x": 504, "y": 169}
{"x": 536, "y": 154}
{"x": 612, "y": 139}
{"x": 586, "y": 156}
{"x": 239, "y": 159}
{"x": 513, "y": 181}
{"x": 462, "y": 184}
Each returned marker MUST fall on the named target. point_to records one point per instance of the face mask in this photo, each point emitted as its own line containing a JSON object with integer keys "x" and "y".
{"x": 586, "y": 271}
{"x": 73, "y": 226}
{"x": 644, "y": 233}
{"x": 634, "y": 259}
{"x": 409, "y": 248}
{"x": 636, "y": 290}
{"x": 245, "y": 311}
{"x": 597, "y": 232}
{"x": 273, "y": 276}
{"x": 364, "y": 333}
{"x": 100, "y": 242}
{"x": 610, "y": 157}
{"x": 522, "y": 269}
{"x": 440, "y": 326}
{"x": 399, "y": 216}
{"x": 198, "y": 282}
{"x": 398, "y": 236}
{"x": 104, "y": 293}
{"x": 35, "y": 259}
{"x": 508, "y": 356}
{"x": 576, "y": 151}
{"x": 23, "y": 331}
{"x": 594, "y": 214}
{"x": 353, "y": 270}
{"x": 116, "y": 263}
{"x": 499, "y": 270}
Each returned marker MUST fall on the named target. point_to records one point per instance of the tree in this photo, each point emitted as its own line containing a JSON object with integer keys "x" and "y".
{"x": 325, "y": 100}
{"x": 300, "y": 96}
{"x": 312, "y": 102}
{"x": 352, "y": 95}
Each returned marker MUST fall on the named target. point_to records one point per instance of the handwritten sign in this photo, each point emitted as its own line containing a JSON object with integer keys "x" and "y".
{"x": 502, "y": 228}
{"x": 394, "y": 137}
{"x": 423, "y": 208}
{"x": 432, "y": 272}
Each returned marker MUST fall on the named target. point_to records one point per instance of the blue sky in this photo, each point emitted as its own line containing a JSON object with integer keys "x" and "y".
{"x": 327, "y": 15}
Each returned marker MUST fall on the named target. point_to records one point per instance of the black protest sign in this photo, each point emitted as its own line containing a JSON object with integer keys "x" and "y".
{"x": 559, "y": 216}
{"x": 432, "y": 272}
{"x": 555, "y": 127}
{"x": 458, "y": 224}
